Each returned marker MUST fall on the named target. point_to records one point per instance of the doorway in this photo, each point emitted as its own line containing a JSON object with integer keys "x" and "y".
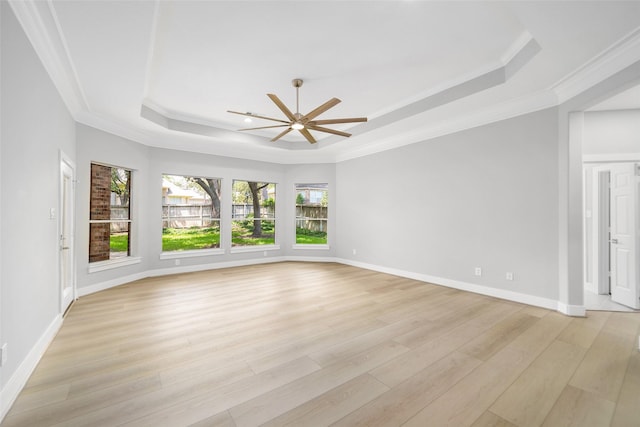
{"x": 66, "y": 235}
{"x": 612, "y": 193}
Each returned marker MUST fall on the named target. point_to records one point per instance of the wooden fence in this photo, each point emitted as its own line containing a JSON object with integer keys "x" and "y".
{"x": 187, "y": 216}
{"x": 313, "y": 218}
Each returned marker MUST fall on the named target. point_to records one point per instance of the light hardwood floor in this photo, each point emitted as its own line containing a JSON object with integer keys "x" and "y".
{"x": 309, "y": 344}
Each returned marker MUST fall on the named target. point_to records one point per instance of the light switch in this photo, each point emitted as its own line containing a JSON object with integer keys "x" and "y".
{"x": 52, "y": 213}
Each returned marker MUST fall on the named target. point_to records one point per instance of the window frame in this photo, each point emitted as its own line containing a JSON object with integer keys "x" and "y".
{"x": 309, "y": 246}
{"x": 255, "y": 248}
{"x": 194, "y": 253}
{"x": 131, "y": 257}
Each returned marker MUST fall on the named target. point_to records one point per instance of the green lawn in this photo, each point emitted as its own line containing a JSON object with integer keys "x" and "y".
{"x": 241, "y": 233}
{"x": 184, "y": 239}
{"x": 119, "y": 242}
{"x": 308, "y": 237}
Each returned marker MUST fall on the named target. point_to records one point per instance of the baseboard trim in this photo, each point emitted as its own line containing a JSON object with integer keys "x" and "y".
{"x": 572, "y": 310}
{"x": 212, "y": 266}
{"x": 102, "y": 286}
{"x": 569, "y": 310}
{"x": 463, "y": 286}
{"x": 16, "y": 383}
{"x": 311, "y": 259}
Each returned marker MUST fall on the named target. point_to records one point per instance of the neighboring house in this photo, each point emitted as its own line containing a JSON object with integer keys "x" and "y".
{"x": 174, "y": 195}
{"x": 312, "y": 193}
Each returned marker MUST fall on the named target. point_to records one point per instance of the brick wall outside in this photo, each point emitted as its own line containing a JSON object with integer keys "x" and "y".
{"x": 100, "y": 208}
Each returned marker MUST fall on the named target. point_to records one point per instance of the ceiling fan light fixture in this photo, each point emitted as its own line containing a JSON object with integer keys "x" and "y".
{"x": 304, "y": 123}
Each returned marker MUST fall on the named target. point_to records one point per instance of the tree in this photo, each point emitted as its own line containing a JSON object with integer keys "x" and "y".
{"x": 255, "y": 187}
{"x": 120, "y": 184}
{"x": 300, "y": 199}
{"x": 212, "y": 188}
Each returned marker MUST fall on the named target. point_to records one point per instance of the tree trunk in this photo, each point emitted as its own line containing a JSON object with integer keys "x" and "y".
{"x": 257, "y": 223}
{"x": 212, "y": 188}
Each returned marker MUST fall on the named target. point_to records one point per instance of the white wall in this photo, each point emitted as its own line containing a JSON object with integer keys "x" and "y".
{"x": 35, "y": 126}
{"x": 611, "y": 132}
{"x": 485, "y": 197}
{"x": 149, "y": 164}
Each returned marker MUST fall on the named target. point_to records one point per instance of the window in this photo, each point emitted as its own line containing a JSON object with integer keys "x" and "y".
{"x": 110, "y": 213}
{"x": 311, "y": 214}
{"x": 253, "y": 213}
{"x": 190, "y": 213}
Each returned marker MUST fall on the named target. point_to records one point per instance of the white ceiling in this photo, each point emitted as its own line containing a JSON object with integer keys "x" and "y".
{"x": 165, "y": 73}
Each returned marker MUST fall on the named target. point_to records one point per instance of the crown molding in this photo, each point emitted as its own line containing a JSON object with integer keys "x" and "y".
{"x": 203, "y": 144}
{"x": 40, "y": 23}
{"x": 617, "y": 57}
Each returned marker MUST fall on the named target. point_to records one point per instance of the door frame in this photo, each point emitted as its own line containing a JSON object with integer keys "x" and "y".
{"x": 65, "y": 160}
{"x": 600, "y": 228}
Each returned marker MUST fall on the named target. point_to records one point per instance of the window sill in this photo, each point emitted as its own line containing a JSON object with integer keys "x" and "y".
{"x": 254, "y": 248}
{"x": 310, "y": 247}
{"x": 95, "y": 267}
{"x": 191, "y": 253}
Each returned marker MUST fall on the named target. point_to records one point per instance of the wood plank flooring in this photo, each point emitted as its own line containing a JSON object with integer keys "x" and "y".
{"x": 310, "y": 344}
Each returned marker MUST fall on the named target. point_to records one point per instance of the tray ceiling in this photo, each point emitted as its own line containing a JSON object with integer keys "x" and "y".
{"x": 165, "y": 73}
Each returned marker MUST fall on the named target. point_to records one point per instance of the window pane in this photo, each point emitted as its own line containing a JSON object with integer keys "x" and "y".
{"x": 311, "y": 213}
{"x": 119, "y": 239}
{"x": 190, "y": 213}
{"x": 253, "y": 213}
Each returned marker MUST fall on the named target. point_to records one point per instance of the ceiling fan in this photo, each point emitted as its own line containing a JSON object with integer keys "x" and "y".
{"x": 302, "y": 123}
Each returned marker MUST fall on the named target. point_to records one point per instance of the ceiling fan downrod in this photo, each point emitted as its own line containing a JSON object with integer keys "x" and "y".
{"x": 298, "y": 124}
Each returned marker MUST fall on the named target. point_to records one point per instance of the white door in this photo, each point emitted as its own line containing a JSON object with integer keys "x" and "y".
{"x": 67, "y": 268}
{"x": 624, "y": 235}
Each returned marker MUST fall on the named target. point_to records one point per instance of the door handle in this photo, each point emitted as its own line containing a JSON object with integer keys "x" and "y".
{"x": 614, "y": 241}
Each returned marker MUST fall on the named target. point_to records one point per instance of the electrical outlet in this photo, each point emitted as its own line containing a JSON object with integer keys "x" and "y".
{"x": 3, "y": 358}
{"x": 509, "y": 275}
{"x": 478, "y": 271}
{"x": 177, "y": 262}
{"x": 354, "y": 251}
{"x": 265, "y": 253}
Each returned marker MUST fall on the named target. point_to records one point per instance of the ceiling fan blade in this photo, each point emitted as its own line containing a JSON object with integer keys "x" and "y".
{"x": 321, "y": 109}
{"x": 257, "y": 117}
{"x": 308, "y": 135}
{"x": 336, "y": 121}
{"x": 264, "y": 127}
{"x": 327, "y": 130}
{"x": 280, "y": 135}
{"x": 282, "y": 107}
